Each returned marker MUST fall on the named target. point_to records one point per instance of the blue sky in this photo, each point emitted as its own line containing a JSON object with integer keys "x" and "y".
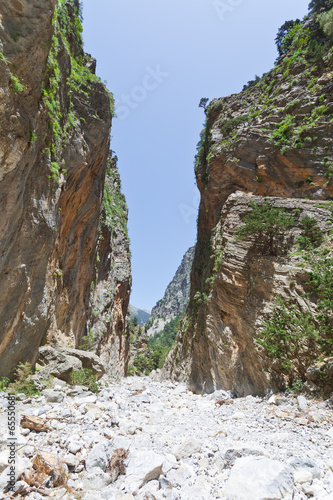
{"x": 159, "y": 58}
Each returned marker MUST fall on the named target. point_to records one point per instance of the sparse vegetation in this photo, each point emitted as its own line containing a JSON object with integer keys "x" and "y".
{"x": 264, "y": 220}
{"x": 23, "y": 382}
{"x": 84, "y": 377}
{"x": 154, "y": 350}
{"x": 114, "y": 203}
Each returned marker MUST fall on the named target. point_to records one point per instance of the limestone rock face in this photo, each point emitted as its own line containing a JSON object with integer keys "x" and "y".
{"x": 223, "y": 352}
{"x": 110, "y": 317}
{"x": 177, "y": 293}
{"x": 272, "y": 141}
{"x": 54, "y": 143}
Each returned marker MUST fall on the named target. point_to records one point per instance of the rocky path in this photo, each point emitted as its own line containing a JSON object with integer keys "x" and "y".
{"x": 153, "y": 440}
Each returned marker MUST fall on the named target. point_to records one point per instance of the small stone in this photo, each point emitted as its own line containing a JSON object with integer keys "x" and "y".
{"x": 20, "y": 486}
{"x": 314, "y": 490}
{"x": 306, "y": 464}
{"x": 301, "y": 421}
{"x": 52, "y": 396}
{"x": 239, "y": 415}
{"x": 177, "y": 477}
{"x": 164, "y": 483}
{"x": 187, "y": 448}
{"x": 329, "y": 433}
{"x": 80, "y": 400}
{"x": 303, "y": 476}
{"x": 74, "y": 447}
{"x": 70, "y": 460}
{"x": 302, "y": 403}
{"x": 96, "y": 480}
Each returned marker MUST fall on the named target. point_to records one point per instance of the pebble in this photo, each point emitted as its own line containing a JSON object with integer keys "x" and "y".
{"x": 180, "y": 445}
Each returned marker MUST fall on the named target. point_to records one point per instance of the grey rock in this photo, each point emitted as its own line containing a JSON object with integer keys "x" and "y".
{"x": 52, "y": 396}
{"x": 232, "y": 454}
{"x": 306, "y": 463}
{"x": 302, "y": 403}
{"x": 219, "y": 395}
{"x": 142, "y": 467}
{"x": 74, "y": 447}
{"x": 21, "y": 465}
{"x": 177, "y": 292}
{"x": 264, "y": 478}
{"x": 89, "y": 360}
{"x": 96, "y": 480}
{"x": 55, "y": 364}
{"x": 187, "y": 448}
{"x": 100, "y": 455}
{"x": 3, "y": 460}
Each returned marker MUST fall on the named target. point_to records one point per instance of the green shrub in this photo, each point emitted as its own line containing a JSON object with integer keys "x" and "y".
{"x": 326, "y": 22}
{"x": 84, "y": 377}
{"x": 290, "y": 335}
{"x": 4, "y": 382}
{"x": 16, "y": 84}
{"x": 311, "y": 236}
{"x": 87, "y": 342}
{"x": 283, "y": 130}
{"x": 23, "y": 382}
{"x": 233, "y": 123}
{"x": 264, "y": 220}
{"x": 3, "y": 58}
{"x": 321, "y": 286}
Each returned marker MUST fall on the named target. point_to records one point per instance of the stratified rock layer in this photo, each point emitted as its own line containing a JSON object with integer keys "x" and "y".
{"x": 274, "y": 139}
{"x": 54, "y": 143}
{"x": 177, "y": 294}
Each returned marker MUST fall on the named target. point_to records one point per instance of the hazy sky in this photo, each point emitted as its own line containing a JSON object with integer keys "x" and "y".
{"x": 159, "y": 58}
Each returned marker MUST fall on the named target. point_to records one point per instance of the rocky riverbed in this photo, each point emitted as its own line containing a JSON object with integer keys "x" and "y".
{"x": 151, "y": 440}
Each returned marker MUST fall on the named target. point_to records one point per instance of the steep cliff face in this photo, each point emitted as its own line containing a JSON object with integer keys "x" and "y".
{"x": 273, "y": 139}
{"x": 176, "y": 296}
{"x": 110, "y": 317}
{"x": 54, "y": 144}
{"x": 177, "y": 293}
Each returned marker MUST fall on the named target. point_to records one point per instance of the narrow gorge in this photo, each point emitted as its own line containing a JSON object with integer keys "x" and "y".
{"x": 226, "y": 391}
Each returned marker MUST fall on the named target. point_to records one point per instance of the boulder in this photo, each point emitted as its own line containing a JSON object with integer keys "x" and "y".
{"x": 321, "y": 374}
{"x": 100, "y": 455}
{"x": 60, "y": 362}
{"x": 54, "y": 364}
{"x": 259, "y": 478}
{"x": 142, "y": 467}
{"x": 89, "y": 360}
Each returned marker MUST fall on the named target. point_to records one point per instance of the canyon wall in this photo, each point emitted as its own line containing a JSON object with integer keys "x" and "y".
{"x": 54, "y": 145}
{"x": 272, "y": 143}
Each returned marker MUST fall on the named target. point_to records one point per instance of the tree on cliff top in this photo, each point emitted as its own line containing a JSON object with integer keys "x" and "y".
{"x": 283, "y": 39}
{"x": 318, "y": 5}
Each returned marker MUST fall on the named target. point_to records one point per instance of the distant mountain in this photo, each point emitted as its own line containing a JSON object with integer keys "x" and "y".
{"x": 177, "y": 294}
{"x": 141, "y": 314}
